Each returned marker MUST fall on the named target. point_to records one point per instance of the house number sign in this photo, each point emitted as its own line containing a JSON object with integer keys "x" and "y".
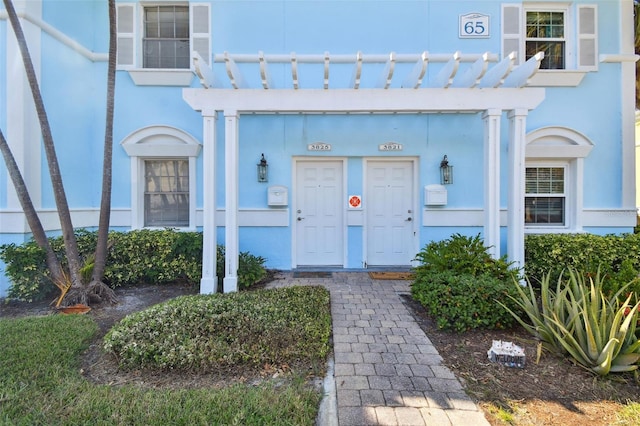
{"x": 390, "y": 146}
{"x": 319, "y": 146}
{"x": 474, "y": 25}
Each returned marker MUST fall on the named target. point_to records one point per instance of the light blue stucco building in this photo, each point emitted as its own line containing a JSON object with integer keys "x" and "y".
{"x": 356, "y": 105}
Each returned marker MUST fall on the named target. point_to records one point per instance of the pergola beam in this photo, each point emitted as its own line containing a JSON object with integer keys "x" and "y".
{"x": 357, "y": 72}
{"x": 426, "y": 100}
{"x": 520, "y": 76}
{"x": 294, "y": 71}
{"x": 414, "y": 79}
{"x": 496, "y": 75}
{"x": 265, "y": 76}
{"x": 445, "y": 77}
{"x": 384, "y": 81}
{"x": 326, "y": 70}
{"x": 478, "y": 74}
{"x": 235, "y": 75}
{"x": 471, "y": 78}
{"x": 203, "y": 71}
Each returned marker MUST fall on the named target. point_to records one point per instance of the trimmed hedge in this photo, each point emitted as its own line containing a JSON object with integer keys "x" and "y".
{"x": 616, "y": 256}
{"x": 212, "y": 332}
{"x": 135, "y": 257}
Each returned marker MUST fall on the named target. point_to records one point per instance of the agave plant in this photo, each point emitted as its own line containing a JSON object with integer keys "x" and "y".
{"x": 577, "y": 319}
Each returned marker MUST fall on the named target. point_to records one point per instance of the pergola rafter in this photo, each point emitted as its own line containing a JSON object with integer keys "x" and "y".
{"x": 479, "y": 74}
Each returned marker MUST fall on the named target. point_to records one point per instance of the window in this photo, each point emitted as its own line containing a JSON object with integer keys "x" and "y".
{"x": 554, "y": 181}
{"x": 545, "y": 32}
{"x": 156, "y": 41}
{"x": 566, "y": 32}
{"x": 163, "y": 170}
{"x": 166, "y": 192}
{"x": 544, "y": 202}
{"x": 166, "y": 37}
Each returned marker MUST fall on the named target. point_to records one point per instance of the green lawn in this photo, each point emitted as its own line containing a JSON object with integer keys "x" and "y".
{"x": 41, "y": 384}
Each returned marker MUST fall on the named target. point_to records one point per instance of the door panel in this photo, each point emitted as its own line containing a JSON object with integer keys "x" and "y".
{"x": 319, "y": 214}
{"x": 390, "y": 216}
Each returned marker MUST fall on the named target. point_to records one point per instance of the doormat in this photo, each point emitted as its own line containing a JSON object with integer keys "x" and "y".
{"x": 391, "y": 275}
{"x": 312, "y": 274}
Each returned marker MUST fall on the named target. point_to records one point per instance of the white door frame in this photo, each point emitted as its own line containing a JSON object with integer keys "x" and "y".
{"x": 417, "y": 214}
{"x": 294, "y": 185}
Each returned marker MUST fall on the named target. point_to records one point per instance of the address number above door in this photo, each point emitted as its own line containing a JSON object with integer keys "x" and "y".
{"x": 390, "y": 146}
{"x": 474, "y": 25}
{"x": 319, "y": 146}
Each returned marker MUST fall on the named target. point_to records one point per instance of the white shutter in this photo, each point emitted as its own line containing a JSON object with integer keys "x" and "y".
{"x": 587, "y": 37}
{"x": 512, "y": 31}
{"x": 201, "y": 30}
{"x": 126, "y": 25}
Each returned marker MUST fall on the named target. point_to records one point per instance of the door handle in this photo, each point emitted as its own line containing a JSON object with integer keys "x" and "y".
{"x": 409, "y": 219}
{"x": 300, "y": 218}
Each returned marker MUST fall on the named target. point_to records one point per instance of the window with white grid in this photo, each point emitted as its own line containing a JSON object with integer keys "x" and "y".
{"x": 166, "y": 37}
{"x": 567, "y": 33}
{"x": 545, "y": 199}
{"x": 166, "y": 192}
{"x": 545, "y": 32}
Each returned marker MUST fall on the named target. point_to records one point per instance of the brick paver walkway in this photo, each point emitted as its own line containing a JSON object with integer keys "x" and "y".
{"x": 386, "y": 370}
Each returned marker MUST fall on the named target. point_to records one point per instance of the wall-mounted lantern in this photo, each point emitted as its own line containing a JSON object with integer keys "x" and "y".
{"x": 446, "y": 172}
{"x": 263, "y": 170}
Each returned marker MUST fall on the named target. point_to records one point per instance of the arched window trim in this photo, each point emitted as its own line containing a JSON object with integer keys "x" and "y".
{"x": 159, "y": 142}
{"x": 557, "y": 142}
{"x": 560, "y": 145}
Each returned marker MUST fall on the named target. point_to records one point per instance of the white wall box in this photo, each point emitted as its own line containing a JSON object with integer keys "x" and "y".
{"x": 277, "y": 195}
{"x": 435, "y": 195}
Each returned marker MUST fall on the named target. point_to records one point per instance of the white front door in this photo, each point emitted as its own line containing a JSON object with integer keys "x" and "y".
{"x": 318, "y": 213}
{"x": 390, "y": 217}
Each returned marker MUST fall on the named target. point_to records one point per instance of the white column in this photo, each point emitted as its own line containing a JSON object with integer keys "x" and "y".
{"x": 515, "y": 214}
{"x": 492, "y": 181}
{"x": 209, "y": 281}
{"x": 627, "y": 95}
{"x": 230, "y": 282}
{"x": 23, "y": 128}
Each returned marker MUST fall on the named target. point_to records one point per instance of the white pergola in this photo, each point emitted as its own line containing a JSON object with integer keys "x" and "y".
{"x": 486, "y": 86}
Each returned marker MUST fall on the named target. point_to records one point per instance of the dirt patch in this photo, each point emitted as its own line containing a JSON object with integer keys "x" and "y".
{"x": 552, "y": 391}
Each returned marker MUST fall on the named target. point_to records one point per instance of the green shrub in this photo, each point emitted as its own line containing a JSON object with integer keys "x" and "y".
{"x": 462, "y": 254}
{"x": 26, "y": 267}
{"x": 616, "y": 256}
{"x": 462, "y": 301}
{"x": 135, "y": 257}
{"x": 577, "y": 319}
{"x": 250, "y": 268}
{"x": 208, "y": 332}
{"x": 154, "y": 257}
{"x": 458, "y": 282}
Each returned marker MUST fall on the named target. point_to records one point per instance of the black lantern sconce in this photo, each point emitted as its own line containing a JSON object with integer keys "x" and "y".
{"x": 446, "y": 172}
{"x": 263, "y": 170}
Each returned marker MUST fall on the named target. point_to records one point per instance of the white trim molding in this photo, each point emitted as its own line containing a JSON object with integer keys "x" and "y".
{"x": 156, "y": 77}
{"x": 159, "y": 142}
{"x": 470, "y": 217}
{"x": 557, "y": 142}
{"x": 561, "y": 147}
{"x": 58, "y": 35}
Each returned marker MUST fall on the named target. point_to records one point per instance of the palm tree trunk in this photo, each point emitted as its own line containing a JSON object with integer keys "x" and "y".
{"x": 62, "y": 205}
{"x": 30, "y": 212}
{"x": 105, "y": 203}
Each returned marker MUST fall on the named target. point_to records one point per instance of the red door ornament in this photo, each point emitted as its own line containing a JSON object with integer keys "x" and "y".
{"x": 354, "y": 201}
